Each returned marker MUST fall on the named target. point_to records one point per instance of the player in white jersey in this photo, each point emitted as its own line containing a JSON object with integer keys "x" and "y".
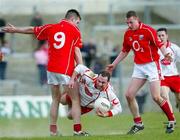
{"x": 171, "y": 79}
{"x": 91, "y": 87}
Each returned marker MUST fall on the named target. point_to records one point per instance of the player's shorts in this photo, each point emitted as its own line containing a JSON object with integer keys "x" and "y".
{"x": 84, "y": 110}
{"x": 57, "y": 79}
{"x": 150, "y": 71}
{"x": 173, "y": 82}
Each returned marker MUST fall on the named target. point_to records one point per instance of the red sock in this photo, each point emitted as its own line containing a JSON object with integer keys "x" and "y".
{"x": 165, "y": 107}
{"x": 77, "y": 127}
{"x": 137, "y": 120}
{"x": 53, "y": 128}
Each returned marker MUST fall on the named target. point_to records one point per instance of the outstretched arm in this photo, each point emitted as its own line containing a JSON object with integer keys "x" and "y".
{"x": 12, "y": 29}
{"x": 118, "y": 59}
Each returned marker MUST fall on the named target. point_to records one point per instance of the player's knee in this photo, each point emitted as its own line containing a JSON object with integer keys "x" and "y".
{"x": 156, "y": 99}
{"x": 129, "y": 97}
{"x": 164, "y": 97}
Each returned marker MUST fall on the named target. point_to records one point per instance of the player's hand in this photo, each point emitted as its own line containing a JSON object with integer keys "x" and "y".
{"x": 101, "y": 114}
{"x": 165, "y": 62}
{"x": 9, "y": 28}
{"x": 168, "y": 57}
{"x": 1, "y": 56}
{"x": 110, "y": 68}
{"x": 71, "y": 83}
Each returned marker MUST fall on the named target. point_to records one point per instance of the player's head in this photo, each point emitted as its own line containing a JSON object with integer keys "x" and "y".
{"x": 132, "y": 20}
{"x": 162, "y": 34}
{"x": 73, "y": 16}
{"x": 102, "y": 80}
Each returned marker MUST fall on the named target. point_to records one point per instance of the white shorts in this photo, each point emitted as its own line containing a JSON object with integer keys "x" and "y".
{"x": 57, "y": 79}
{"x": 150, "y": 71}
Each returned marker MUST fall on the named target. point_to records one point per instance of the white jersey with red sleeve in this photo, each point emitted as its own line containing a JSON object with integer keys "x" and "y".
{"x": 89, "y": 93}
{"x": 144, "y": 42}
{"x": 62, "y": 39}
{"x": 170, "y": 68}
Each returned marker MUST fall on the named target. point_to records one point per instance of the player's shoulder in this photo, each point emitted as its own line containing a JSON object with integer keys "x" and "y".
{"x": 89, "y": 73}
{"x": 69, "y": 25}
{"x": 147, "y": 27}
{"x": 173, "y": 45}
{"x": 110, "y": 89}
{"x": 43, "y": 27}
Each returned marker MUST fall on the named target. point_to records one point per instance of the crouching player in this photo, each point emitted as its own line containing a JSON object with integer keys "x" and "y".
{"x": 91, "y": 87}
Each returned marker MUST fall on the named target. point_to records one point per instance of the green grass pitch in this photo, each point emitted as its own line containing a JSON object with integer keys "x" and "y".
{"x": 114, "y": 128}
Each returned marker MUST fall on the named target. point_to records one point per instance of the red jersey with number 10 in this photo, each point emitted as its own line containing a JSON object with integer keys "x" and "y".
{"x": 144, "y": 42}
{"x": 62, "y": 39}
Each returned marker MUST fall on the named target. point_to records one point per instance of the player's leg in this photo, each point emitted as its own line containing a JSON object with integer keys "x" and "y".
{"x": 155, "y": 92}
{"x": 66, "y": 100}
{"x": 177, "y": 95}
{"x": 175, "y": 87}
{"x": 56, "y": 95}
{"x": 133, "y": 88}
{"x": 76, "y": 109}
{"x": 165, "y": 95}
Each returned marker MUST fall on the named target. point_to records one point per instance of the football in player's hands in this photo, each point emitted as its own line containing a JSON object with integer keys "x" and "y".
{"x": 102, "y": 104}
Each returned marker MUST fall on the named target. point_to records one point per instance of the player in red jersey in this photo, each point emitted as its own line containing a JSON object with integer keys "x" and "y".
{"x": 143, "y": 40}
{"x": 64, "y": 40}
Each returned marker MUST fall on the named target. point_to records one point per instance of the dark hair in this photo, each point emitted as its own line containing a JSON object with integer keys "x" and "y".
{"x": 72, "y": 12}
{"x": 105, "y": 74}
{"x": 131, "y": 14}
{"x": 162, "y": 29}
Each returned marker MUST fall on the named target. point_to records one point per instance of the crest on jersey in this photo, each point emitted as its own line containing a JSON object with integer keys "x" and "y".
{"x": 141, "y": 37}
{"x": 130, "y": 39}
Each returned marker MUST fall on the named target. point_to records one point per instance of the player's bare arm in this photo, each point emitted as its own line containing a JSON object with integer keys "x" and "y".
{"x": 119, "y": 58}
{"x": 72, "y": 80}
{"x": 78, "y": 56}
{"x": 12, "y": 29}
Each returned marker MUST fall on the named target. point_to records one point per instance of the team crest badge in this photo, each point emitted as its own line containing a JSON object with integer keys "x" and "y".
{"x": 130, "y": 39}
{"x": 141, "y": 37}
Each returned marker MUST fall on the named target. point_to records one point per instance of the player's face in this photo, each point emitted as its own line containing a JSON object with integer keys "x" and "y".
{"x": 133, "y": 23}
{"x": 163, "y": 36}
{"x": 101, "y": 82}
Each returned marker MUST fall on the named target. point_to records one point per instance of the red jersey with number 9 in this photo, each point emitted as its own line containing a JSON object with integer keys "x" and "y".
{"x": 144, "y": 42}
{"x": 62, "y": 39}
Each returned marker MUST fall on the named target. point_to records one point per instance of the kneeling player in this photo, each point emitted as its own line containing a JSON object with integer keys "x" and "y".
{"x": 91, "y": 87}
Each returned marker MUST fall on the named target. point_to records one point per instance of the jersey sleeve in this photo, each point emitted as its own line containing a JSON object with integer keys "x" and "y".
{"x": 153, "y": 37}
{"x": 41, "y": 32}
{"x": 78, "y": 42}
{"x": 81, "y": 69}
{"x": 115, "y": 103}
{"x": 176, "y": 50}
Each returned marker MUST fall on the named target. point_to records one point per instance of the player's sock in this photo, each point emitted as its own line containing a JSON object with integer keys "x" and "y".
{"x": 138, "y": 120}
{"x": 77, "y": 127}
{"x": 53, "y": 128}
{"x": 165, "y": 107}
